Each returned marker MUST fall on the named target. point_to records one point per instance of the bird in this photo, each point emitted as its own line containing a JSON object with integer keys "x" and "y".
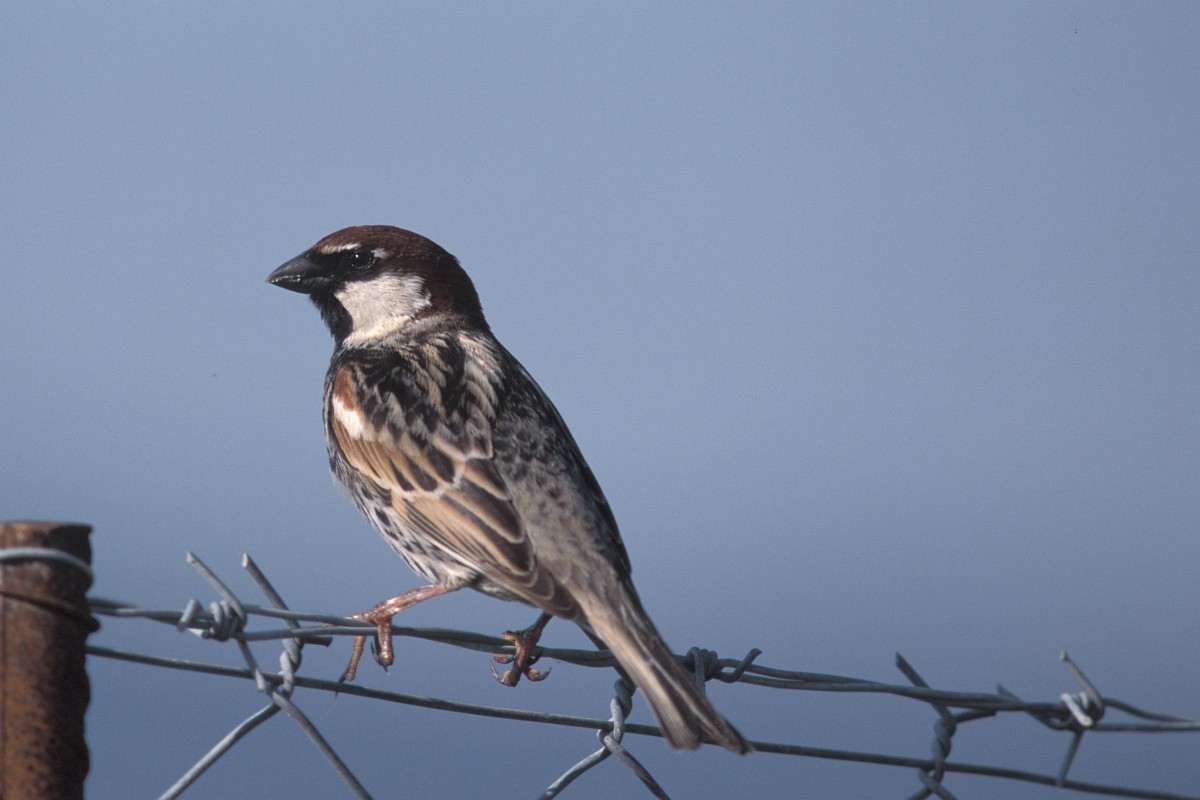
{"x": 456, "y": 456}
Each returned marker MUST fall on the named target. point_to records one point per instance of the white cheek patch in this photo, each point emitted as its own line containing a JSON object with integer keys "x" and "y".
{"x": 382, "y": 305}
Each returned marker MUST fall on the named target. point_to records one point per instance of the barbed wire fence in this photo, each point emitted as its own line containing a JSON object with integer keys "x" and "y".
{"x": 229, "y": 619}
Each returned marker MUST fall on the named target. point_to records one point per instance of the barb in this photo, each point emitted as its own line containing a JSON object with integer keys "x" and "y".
{"x": 944, "y": 729}
{"x": 230, "y": 616}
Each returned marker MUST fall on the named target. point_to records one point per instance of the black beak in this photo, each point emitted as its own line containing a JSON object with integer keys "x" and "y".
{"x": 301, "y": 274}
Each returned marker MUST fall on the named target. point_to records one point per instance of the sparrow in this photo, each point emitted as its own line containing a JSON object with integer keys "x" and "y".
{"x": 456, "y": 456}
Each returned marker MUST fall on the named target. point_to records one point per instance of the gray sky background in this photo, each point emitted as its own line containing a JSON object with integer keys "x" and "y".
{"x": 878, "y": 325}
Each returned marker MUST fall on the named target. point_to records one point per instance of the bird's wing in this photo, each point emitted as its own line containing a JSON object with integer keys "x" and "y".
{"x": 552, "y": 425}
{"x": 396, "y": 430}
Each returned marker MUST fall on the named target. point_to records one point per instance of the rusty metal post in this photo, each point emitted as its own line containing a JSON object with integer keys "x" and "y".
{"x": 44, "y": 624}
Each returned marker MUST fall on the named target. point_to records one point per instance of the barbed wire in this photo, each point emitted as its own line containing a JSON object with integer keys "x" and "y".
{"x": 227, "y": 618}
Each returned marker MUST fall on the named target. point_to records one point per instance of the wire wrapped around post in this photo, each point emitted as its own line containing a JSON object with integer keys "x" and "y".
{"x": 45, "y": 572}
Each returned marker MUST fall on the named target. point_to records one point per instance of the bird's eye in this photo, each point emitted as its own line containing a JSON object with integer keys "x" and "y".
{"x": 360, "y": 260}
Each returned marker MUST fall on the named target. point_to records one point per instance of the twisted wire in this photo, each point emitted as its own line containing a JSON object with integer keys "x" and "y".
{"x": 227, "y": 618}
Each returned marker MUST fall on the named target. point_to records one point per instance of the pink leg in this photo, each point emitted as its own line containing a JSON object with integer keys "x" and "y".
{"x": 522, "y": 660}
{"x": 382, "y": 615}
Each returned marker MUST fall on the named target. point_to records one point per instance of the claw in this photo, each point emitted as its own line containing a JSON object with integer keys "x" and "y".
{"x": 381, "y": 616}
{"x": 355, "y": 656}
{"x": 523, "y": 659}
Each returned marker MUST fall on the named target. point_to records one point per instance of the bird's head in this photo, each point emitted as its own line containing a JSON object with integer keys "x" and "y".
{"x": 373, "y": 281}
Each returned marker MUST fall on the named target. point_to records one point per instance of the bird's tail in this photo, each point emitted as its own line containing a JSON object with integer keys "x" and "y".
{"x": 686, "y": 716}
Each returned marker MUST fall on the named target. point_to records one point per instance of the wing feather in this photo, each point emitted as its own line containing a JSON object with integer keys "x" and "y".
{"x": 438, "y": 480}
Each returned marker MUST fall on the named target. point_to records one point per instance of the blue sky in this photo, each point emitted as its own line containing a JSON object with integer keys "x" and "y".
{"x": 877, "y": 323}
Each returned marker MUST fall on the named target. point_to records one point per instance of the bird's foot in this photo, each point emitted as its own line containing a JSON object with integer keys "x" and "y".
{"x": 523, "y": 659}
{"x": 381, "y": 616}
{"x": 384, "y": 653}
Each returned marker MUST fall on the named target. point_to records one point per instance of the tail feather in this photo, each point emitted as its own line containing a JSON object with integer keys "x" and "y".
{"x": 683, "y": 711}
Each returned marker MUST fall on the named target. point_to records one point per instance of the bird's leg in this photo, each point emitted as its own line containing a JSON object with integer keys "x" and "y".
{"x": 523, "y": 659}
{"x": 381, "y": 615}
